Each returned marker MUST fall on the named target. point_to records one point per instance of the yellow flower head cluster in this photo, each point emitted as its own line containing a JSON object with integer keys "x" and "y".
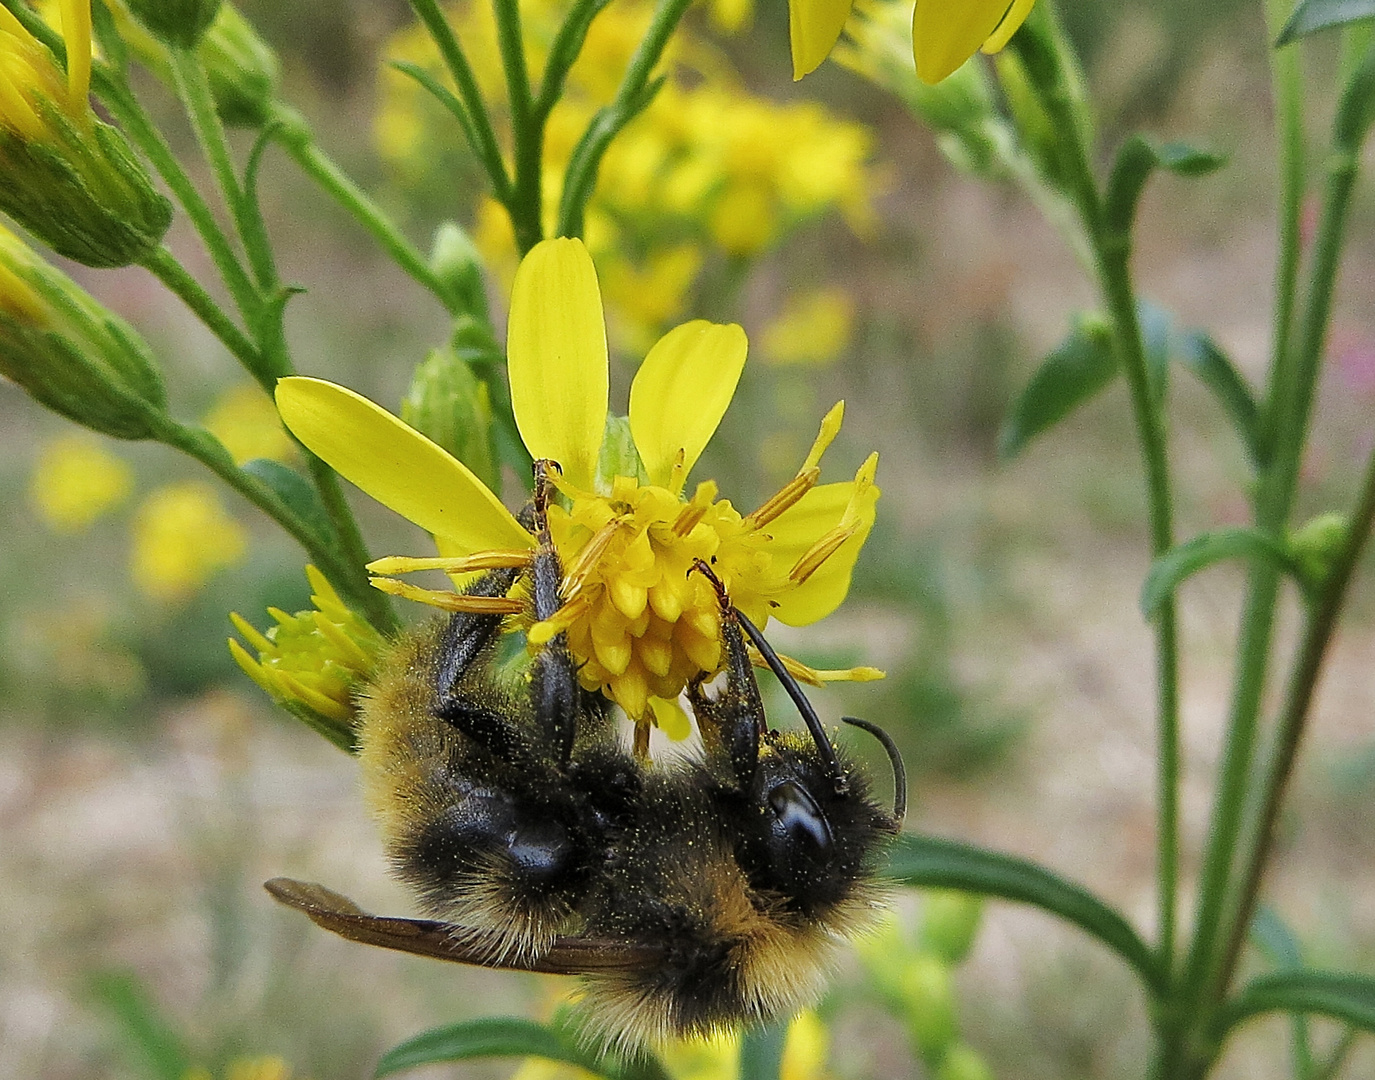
{"x": 640, "y": 626}
{"x": 246, "y": 422}
{"x": 945, "y": 33}
{"x": 182, "y": 536}
{"x": 264, "y": 1068}
{"x": 314, "y": 659}
{"x": 75, "y": 481}
{"x": 706, "y": 167}
{"x": 31, "y": 82}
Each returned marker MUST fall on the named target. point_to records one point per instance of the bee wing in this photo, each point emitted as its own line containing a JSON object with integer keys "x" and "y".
{"x": 448, "y": 941}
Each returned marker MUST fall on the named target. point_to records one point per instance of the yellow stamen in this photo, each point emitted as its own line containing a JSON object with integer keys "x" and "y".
{"x": 292, "y": 687}
{"x": 449, "y": 601}
{"x": 786, "y": 497}
{"x": 696, "y": 509}
{"x": 805, "y": 673}
{"x": 831, "y": 541}
{"x": 251, "y": 667}
{"x": 575, "y": 575}
{"x": 335, "y": 635}
{"x": 561, "y": 620}
{"x": 678, "y": 473}
{"x": 479, "y": 560}
{"x": 250, "y": 633}
{"x": 830, "y": 428}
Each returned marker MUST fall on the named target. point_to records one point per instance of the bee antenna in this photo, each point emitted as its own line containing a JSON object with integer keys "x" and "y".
{"x": 813, "y": 722}
{"x": 894, "y": 757}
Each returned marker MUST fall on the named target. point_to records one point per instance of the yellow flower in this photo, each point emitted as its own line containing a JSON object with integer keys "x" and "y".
{"x": 638, "y": 624}
{"x": 244, "y": 420}
{"x": 75, "y": 481}
{"x": 812, "y": 329}
{"x": 31, "y": 82}
{"x": 945, "y": 33}
{"x": 182, "y": 535}
{"x": 264, "y": 1068}
{"x": 311, "y": 662}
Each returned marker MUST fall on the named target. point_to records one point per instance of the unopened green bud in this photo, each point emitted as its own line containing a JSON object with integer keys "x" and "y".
{"x": 963, "y": 1063}
{"x": 178, "y": 23}
{"x": 929, "y": 1001}
{"x": 71, "y": 354}
{"x": 458, "y": 266}
{"x": 1316, "y": 544}
{"x": 449, "y": 404}
{"x": 950, "y": 922}
{"x": 67, "y": 178}
{"x": 242, "y": 69}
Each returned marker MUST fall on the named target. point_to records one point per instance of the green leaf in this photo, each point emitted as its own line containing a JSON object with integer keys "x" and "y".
{"x": 1338, "y": 995}
{"x": 761, "y": 1051}
{"x": 145, "y": 1030}
{"x": 510, "y": 1036}
{"x": 1137, "y": 159}
{"x": 1075, "y": 372}
{"x": 442, "y": 94}
{"x": 297, "y": 492}
{"x": 1272, "y": 936}
{"x": 1314, "y": 15}
{"x": 930, "y": 862}
{"x": 1201, "y": 355}
{"x": 1186, "y": 559}
{"x": 1157, "y": 342}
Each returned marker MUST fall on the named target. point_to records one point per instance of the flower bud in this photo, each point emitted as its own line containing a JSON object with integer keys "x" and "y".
{"x": 458, "y": 265}
{"x": 242, "y": 69}
{"x": 451, "y": 406}
{"x": 70, "y": 353}
{"x": 179, "y": 23}
{"x": 1316, "y": 544}
{"x": 950, "y": 922}
{"x": 65, "y": 176}
{"x": 963, "y": 1063}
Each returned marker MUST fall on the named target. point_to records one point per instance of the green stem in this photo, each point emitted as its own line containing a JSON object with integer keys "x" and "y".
{"x": 486, "y": 147}
{"x": 194, "y": 91}
{"x": 527, "y": 127}
{"x": 164, "y": 265}
{"x": 635, "y": 92}
{"x": 333, "y": 180}
{"x": 1042, "y": 49}
{"x": 131, "y": 117}
{"x": 344, "y": 573}
{"x": 563, "y": 52}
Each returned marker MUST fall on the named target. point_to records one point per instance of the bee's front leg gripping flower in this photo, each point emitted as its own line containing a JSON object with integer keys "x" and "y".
{"x": 66, "y": 177}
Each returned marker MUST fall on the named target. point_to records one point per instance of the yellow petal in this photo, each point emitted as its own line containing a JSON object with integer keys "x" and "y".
{"x": 946, "y": 33}
{"x": 76, "y": 33}
{"x": 397, "y": 466}
{"x": 670, "y": 718}
{"x": 794, "y": 533}
{"x": 1011, "y": 23}
{"x": 681, "y": 392}
{"x": 557, "y": 359}
{"x": 815, "y": 27}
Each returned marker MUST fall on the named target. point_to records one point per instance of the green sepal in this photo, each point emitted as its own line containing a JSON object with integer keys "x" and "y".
{"x": 1073, "y": 373}
{"x": 243, "y": 71}
{"x": 1314, "y": 15}
{"x": 451, "y": 405}
{"x": 179, "y": 24}
{"x": 455, "y": 261}
{"x": 931, "y": 862}
{"x": 83, "y": 193}
{"x": 509, "y": 1036}
{"x": 1186, "y": 559}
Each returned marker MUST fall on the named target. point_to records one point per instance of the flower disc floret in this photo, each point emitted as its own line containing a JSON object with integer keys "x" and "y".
{"x": 641, "y": 627}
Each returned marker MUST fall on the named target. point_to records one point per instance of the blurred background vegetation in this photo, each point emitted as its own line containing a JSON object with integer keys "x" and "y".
{"x": 146, "y": 788}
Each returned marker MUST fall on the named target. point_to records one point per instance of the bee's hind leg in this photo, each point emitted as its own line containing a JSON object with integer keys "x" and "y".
{"x": 554, "y": 678}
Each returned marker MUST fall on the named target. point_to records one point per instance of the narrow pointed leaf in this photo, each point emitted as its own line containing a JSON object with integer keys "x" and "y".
{"x": 1314, "y": 15}
{"x": 297, "y": 492}
{"x": 1137, "y": 159}
{"x": 1075, "y": 372}
{"x": 1201, "y": 355}
{"x": 1204, "y": 550}
{"x": 930, "y": 862}
{"x": 497, "y": 1036}
{"x": 161, "y": 1053}
{"x": 1338, "y": 995}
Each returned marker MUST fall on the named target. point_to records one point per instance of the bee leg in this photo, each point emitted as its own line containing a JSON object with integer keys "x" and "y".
{"x": 466, "y": 638}
{"x": 735, "y": 721}
{"x": 554, "y": 678}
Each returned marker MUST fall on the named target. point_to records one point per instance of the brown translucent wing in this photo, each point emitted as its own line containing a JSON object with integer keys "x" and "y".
{"x": 447, "y": 941}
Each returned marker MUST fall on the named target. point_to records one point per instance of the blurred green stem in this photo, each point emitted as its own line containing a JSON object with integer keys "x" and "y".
{"x": 1042, "y": 48}
{"x": 295, "y": 138}
{"x": 164, "y": 265}
{"x": 635, "y": 92}
{"x": 527, "y": 129}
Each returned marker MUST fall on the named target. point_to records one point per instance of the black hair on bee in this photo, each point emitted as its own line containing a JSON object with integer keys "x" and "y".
{"x": 690, "y": 896}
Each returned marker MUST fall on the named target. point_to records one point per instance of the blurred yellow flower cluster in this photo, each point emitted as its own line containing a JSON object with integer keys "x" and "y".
{"x": 182, "y": 535}
{"x": 75, "y": 481}
{"x": 707, "y": 170}
{"x": 265, "y": 1068}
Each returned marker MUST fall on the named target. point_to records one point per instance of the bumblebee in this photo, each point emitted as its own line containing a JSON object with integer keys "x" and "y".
{"x": 690, "y": 896}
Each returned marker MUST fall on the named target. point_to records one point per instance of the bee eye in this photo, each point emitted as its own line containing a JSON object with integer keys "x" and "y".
{"x": 799, "y": 816}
